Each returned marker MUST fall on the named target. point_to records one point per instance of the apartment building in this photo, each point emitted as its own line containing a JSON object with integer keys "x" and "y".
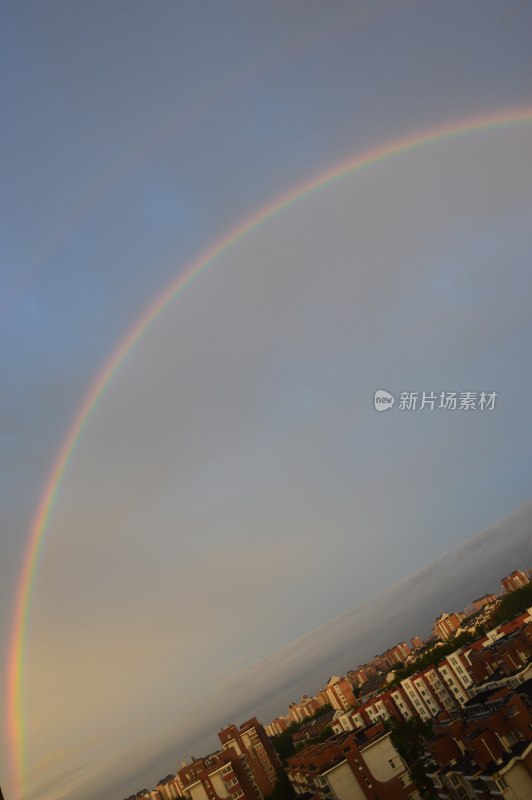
{"x": 314, "y": 727}
{"x": 424, "y": 695}
{"x": 515, "y": 580}
{"x": 396, "y": 654}
{"x": 169, "y": 788}
{"x": 446, "y": 626}
{"x": 307, "y": 707}
{"x": 352, "y": 766}
{"x": 223, "y": 774}
{"x": 482, "y": 602}
{"x": 250, "y": 740}
{"x": 339, "y": 693}
{"x": 277, "y": 726}
{"x": 358, "y": 677}
{"x": 246, "y": 767}
{"x": 503, "y": 656}
{"x": 485, "y": 749}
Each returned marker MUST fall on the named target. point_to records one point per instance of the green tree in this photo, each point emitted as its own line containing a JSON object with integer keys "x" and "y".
{"x": 283, "y": 744}
{"x": 283, "y": 788}
{"x": 512, "y": 605}
{"x": 409, "y": 738}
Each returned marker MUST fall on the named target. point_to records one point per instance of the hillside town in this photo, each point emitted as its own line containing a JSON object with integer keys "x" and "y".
{"x": 449, "y": 717}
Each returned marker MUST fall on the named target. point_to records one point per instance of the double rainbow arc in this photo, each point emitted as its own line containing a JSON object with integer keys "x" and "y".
{"x": 24, "y": 593}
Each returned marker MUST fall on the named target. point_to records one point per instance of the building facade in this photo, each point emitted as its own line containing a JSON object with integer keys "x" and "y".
{"x": 339, "y": 694}
{"x": 515, "y": 580}
{"x": 485, "y": 749}
{"x": 446, "y": 626}
{"x": 352, "y": 766}
{"x": 244, "y": 769}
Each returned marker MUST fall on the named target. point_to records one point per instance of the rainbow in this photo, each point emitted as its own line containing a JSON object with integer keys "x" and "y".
{"x": 23, "y": 598}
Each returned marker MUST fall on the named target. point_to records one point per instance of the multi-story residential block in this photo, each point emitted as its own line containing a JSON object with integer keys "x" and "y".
{"x": 352, "y": 766}
{"x": 420, "y": 697}
{"x": 482, "y": 602}
{"x": 339, "y": 693}
{"x": 169, "y": 788}
{"x": 402, "y": 703}
{"x": 416, "y": 642}
{"x": 424, "y": 694}
{"x": 345, "y": 721}
{"x": 314, "y": 727}
{"x": 250, "y": 740}
{"x": 485, "y": 749}
{"x": 492, "y": 661}
{"x": 376, "y": 710}
{"x": 359, "y": 677}
{"x": 223, "y": 774}
{"x": 432, "y": 691}
{"x": 515, "y": 580}
{"x": 307, "y": 707}
{"x": 379, "y": 665}
{"x": 455, "y": 682}
{"x": 503, "y": 662}
{"x": 246, "y": 767}
{"x": 396, "y": 654}
{"x": 508, "y": 654}
{"x": 446, "y": 625}
{"x": 277, "y": 726}
{"x": 440, "y": 691}
{"x": 459, "y": 663}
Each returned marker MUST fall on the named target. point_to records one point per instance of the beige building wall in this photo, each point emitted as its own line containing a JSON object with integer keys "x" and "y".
{"x": 219, "y": 785}
{"x": 519, "y": 783}
{"x": 343, "y": 783}
{"x": 197, "y": 792}
{"x": 383, "y": 760}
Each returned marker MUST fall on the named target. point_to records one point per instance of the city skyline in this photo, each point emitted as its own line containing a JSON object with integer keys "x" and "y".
{"x": 267, "y": 688}
{"x": 367, "y": 708}
{"x": 225, "y": 228}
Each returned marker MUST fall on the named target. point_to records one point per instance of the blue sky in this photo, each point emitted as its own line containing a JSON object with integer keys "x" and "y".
{"x": 238, "y": 445}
